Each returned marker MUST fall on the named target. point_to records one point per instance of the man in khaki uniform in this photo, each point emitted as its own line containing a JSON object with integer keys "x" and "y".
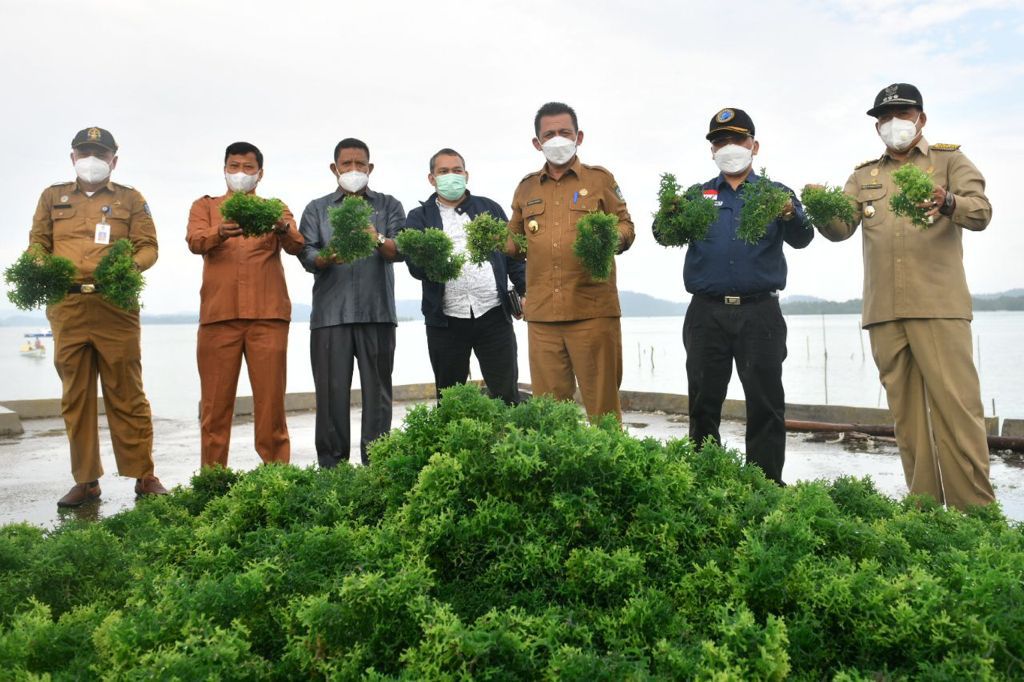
{"x": 573, "y": 321}
{"x": 80, "y": 220}
{"x": 917, "y": 308}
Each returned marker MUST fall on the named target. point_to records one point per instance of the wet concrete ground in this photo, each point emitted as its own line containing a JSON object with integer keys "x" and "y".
{"x": 37, "y": 470}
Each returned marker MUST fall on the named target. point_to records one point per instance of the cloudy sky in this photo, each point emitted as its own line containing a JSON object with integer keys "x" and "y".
{"x": 176, "y": 81}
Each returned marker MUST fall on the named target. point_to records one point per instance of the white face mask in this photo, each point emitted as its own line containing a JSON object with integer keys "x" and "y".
{"x": 558, "y": 150}
{"x": 92, "y": 169}
{"x": 733, "y": 158}
{"x": 241, "y": 182}
{"x": 898, "y": 133}
{"x": 353, "y": 181}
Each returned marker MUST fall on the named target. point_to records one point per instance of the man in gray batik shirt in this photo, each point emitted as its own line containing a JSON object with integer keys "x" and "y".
{"x": 353, "y": 315}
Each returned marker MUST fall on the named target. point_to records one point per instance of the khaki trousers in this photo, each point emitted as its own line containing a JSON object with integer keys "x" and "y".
{"x": 584, "y": 351}
{"x": 91, "y": 338}
{"x": 927, "y": 368}
{"x": 220, "y": 348}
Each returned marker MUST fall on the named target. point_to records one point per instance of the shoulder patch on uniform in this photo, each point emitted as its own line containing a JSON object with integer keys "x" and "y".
{"x": 944, "y": 147}
{"x": 618, "y": 193}
{"x": 145, "y": 207}
{"x": 864, "y": 163}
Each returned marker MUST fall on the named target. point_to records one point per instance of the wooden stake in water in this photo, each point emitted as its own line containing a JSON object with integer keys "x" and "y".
{"x": 860, "y": 335}
{"x": 824, "y": 343}
{"x": 652, "y": 358}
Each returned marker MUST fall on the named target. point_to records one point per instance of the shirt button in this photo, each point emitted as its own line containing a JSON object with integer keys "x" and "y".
{"x": 556, "y": 290}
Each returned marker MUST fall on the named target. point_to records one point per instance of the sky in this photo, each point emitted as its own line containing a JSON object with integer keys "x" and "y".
{"x": 176, "y": 81}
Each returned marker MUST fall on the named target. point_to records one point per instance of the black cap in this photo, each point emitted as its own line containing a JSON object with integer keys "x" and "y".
{"x": 897, "y": 95}
{"x": 731, "y": 121}
{"x": 95, "y": 136}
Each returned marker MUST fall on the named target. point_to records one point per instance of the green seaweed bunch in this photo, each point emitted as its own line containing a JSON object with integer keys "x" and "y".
{"x": 915, "y": 187}
{"x": 597, "y": 240}
{"x": 38, "y": 279}
{"x": 255, "y": 215}
{"x": 825, "y": 204}
{"x": 484, "y": 235}
{"x": 431, "y": 250}
{"x": 349, "y": 241}
{"x": 763, "y": 201}
{"x": 682, "y": 218}
{"x": 117, "y": 277}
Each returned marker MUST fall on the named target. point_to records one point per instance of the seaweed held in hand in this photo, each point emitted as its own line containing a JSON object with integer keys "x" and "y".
{"x": 38, "y": 279}
{"x": 484, "y": 235}
{"x": 597, "y": 240}
{"x": 825, "y": 204}
{"x": 432, "y": 250}
{"x": 117, "y": 277}
{"x": 915, "y": 187}
{"x": 763, "y": 201}
{"x": 255, "y": 215}
{"x": 682, "y": 218}
{"x": 349, "y": 240}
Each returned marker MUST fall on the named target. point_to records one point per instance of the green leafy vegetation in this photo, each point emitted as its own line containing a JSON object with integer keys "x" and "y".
{"x": 915, "y": 187}
{"x": 119, "y": 281}
{"x": 485, "y": 234}
{"x": 38, "y": 279}
{"x": 255, "y": 215}
{"x": 763, "y": 201}
{"x": 432, "y": 251}
{"x": 825, "y": 204}
{"x": 349, "y": 240}
{"x": 682, "y": 218}
{"x": 492, "y": 542}
{"x": 597, "y": 240}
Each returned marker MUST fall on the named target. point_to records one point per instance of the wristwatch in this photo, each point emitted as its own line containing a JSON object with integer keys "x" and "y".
{"x": 948, "y": 204}
{"x": 380, "y": 241}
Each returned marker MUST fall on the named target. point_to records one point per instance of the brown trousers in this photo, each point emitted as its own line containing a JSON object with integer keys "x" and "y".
{"x": 93, "y": 337}
{"x": 927, "y": 368}
{"x": 587, "y": 351}
{"x": 219, "y": 350}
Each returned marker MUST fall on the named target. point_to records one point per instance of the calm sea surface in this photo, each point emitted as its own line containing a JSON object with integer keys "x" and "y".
{"x": 829, "y": 362}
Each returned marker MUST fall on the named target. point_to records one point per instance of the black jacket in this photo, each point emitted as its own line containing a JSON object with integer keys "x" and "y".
{"x": 506, "y": 268}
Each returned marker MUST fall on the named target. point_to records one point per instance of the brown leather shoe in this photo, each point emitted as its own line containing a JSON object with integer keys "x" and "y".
{"x": 79, "y": 494}
{"x": 150, "y": 485}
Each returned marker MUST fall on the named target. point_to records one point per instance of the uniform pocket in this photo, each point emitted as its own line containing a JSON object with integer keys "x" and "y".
{"x": 877, "y": 199}
{"x": 120, "y": 221}
{"x": 64, "y": 220}
{"x": 533, "y": 219}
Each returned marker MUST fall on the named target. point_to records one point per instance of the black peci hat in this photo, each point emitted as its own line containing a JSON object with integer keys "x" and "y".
{"x": 896, "y": 95}
{"x": 731, "y": 121}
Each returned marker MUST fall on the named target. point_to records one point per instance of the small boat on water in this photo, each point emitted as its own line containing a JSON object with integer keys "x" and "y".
{"x": 33, "y": 347}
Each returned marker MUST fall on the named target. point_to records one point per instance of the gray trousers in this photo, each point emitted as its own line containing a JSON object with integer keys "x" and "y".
{"x": 331, "y": 352}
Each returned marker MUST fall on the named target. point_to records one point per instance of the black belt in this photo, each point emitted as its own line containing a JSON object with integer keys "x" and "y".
{"x": 738, "y": 300}
{"x": 84, "y": 289}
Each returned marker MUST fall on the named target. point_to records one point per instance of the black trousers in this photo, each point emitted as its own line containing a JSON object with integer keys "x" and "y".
{"x": 493, "y": 340}
{"x": 332, "y": 352}
{"x": 754, "y": 335}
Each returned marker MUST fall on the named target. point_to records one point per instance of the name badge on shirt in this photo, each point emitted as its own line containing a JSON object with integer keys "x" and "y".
{"x": 102, "y": 233}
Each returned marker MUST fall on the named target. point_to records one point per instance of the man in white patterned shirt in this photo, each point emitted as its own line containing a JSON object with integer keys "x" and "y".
{"x": 471, "y": 313}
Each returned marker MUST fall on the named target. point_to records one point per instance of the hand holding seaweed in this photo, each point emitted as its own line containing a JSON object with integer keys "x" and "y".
{"x": 432, "y": 250}
{"x": 38, "y": 279}
{"x": 117, "y": 277}
{"x": 682, "y": 218}
{"x": 915, "y": 188}
{"x": 350, "y": 240}
{"x": 255, "y": 215}
{"x": 484, "y": 235}
{"x": 763, "y": 200}
{"x": 825, "y": 204}
{"x": 597, "y": 240}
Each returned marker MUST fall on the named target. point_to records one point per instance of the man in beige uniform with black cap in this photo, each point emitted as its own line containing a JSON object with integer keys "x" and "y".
{"x": 917, "y": 308}
{"x": 80, "y": 220}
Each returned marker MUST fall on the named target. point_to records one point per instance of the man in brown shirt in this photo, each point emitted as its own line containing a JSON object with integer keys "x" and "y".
{"x": 244, "y": 312}
{"x": 80, "y": 220}
{"x": 917, "y": 308}
{"x": 573, "y": 320}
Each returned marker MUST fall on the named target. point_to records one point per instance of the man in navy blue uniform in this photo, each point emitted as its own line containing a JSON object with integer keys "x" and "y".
{"x": 471, "y": 312}
{"x": 734, "y": 313}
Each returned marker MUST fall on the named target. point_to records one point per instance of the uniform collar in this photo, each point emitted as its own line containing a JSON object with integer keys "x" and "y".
{"x": 338, "y": 195}
{"x": 109, "y": 186}
{"x": 573, "y": 168}
{"x": 921, "y": 146}
{"x": 459, "y": 207}
{"x": 720, "y": 180}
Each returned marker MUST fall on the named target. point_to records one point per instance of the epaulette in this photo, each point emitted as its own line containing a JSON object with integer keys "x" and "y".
{"x": 118, "y": 184}
{"x": 61, "y": 184}
{"x": 597, "y": 168}
{"x": 943, "y": 147}
{"x": 530, "y": 175}
{"x": 865, "y": 163}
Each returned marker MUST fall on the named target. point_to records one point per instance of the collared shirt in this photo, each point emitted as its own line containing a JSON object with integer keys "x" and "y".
{"x": 243, "y": 278}
{"x": 65, "y": 224}
{"x": 350, "y": 293}
{"x": 911, "y": 272}
{"x": 472, "y": 293}
{"x": 722, "y": 264}
{"x": 546, "y": 211}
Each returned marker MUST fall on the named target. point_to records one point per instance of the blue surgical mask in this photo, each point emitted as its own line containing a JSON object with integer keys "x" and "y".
{"x": 451, "y": 186}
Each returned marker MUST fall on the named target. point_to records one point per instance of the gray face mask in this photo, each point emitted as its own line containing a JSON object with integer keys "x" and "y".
{"x": 92, "y": 169}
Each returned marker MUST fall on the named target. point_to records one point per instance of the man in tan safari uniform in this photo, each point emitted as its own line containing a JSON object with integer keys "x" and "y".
{"x": 917, "y": 308}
